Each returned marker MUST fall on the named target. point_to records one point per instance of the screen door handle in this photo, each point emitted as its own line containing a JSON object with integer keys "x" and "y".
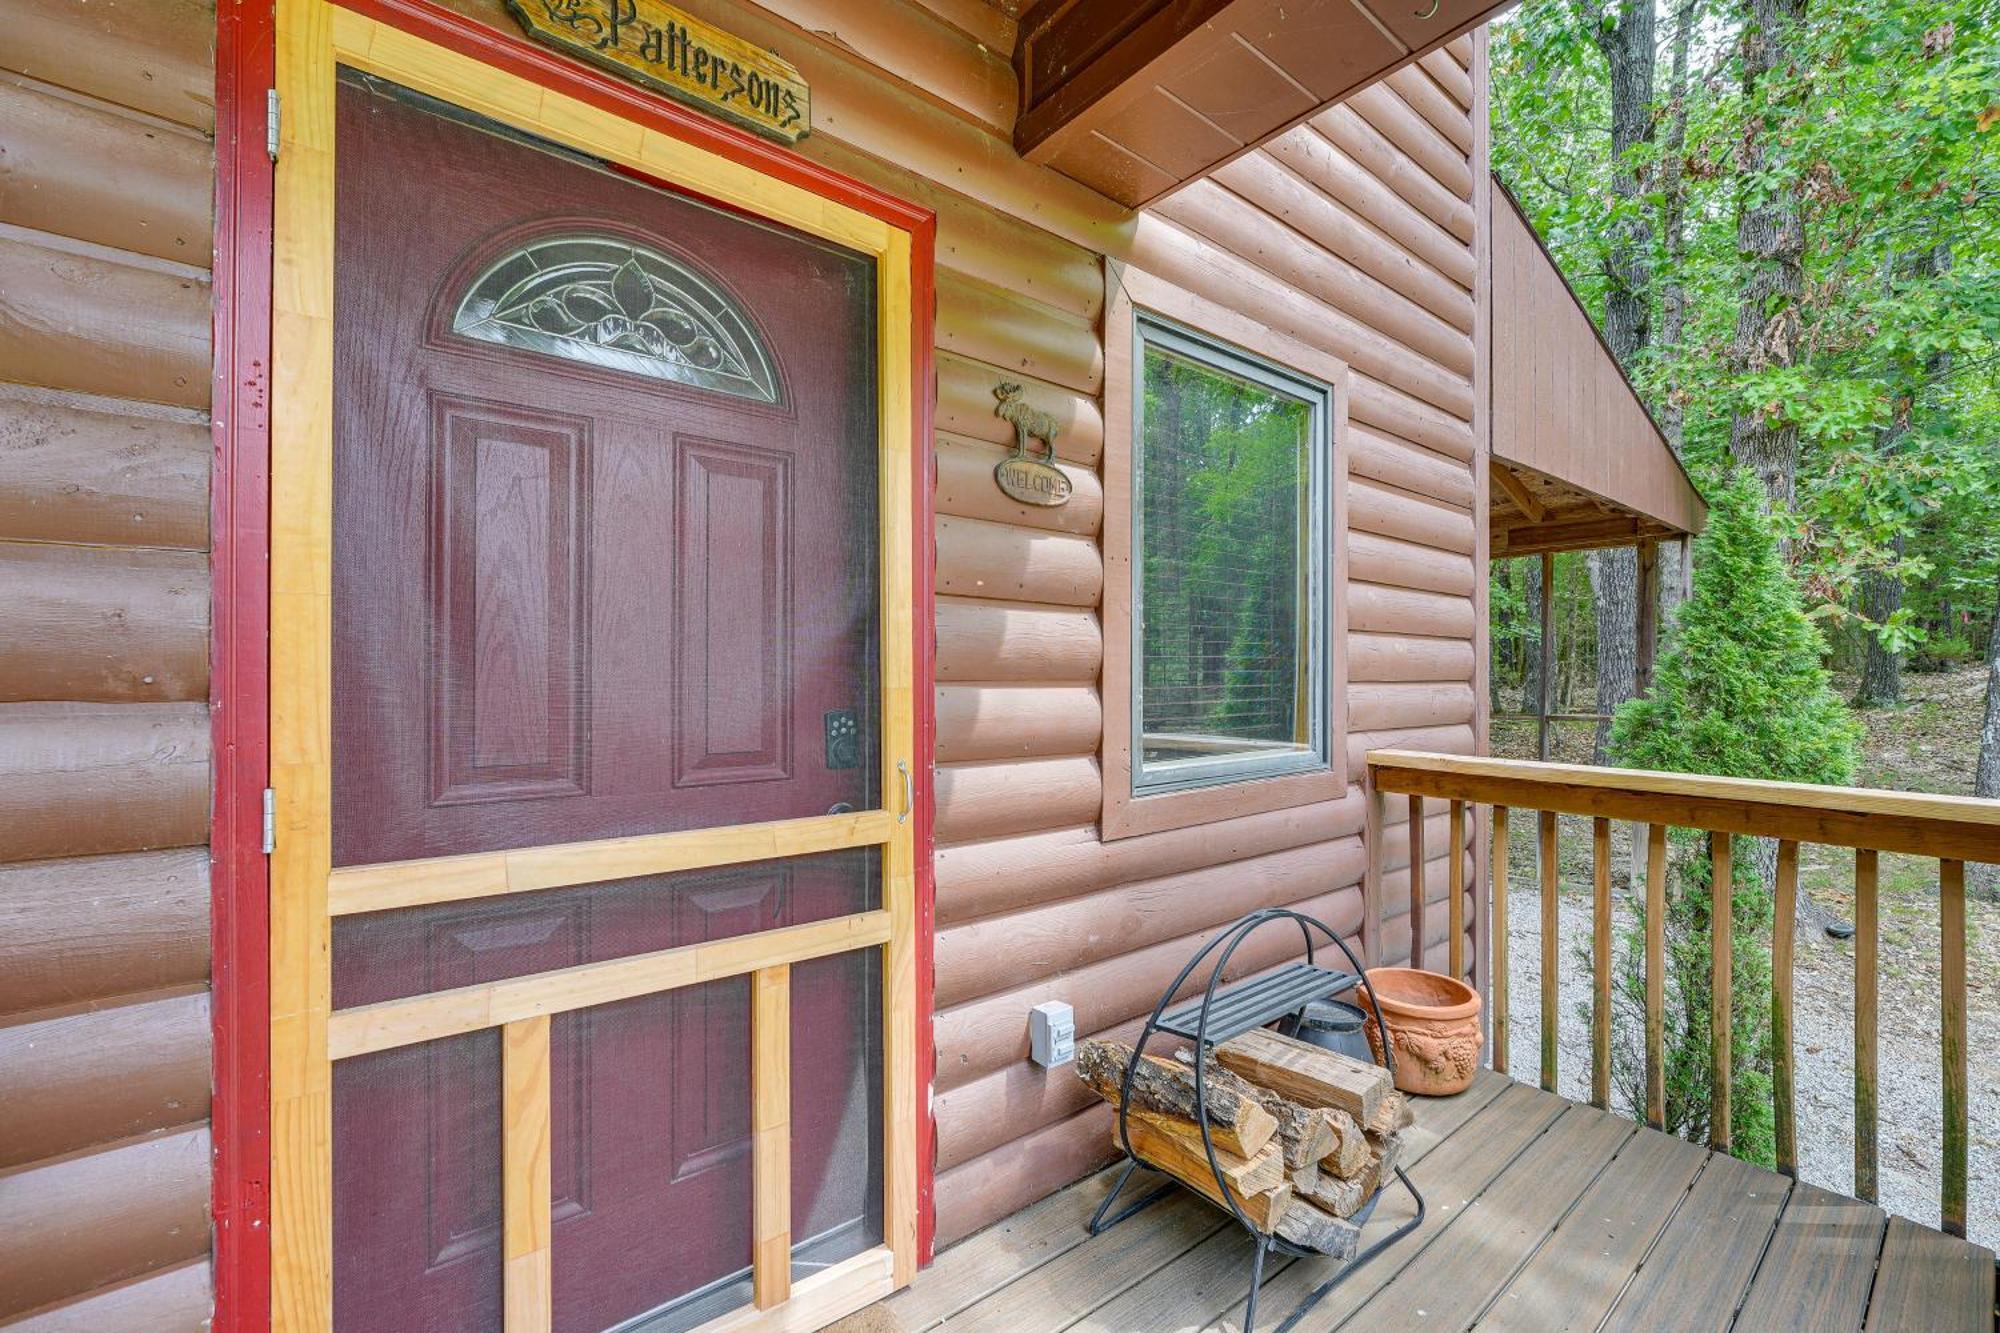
{"x": 909, "y": 791}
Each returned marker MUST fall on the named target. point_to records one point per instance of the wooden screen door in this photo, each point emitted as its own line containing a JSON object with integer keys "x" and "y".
{"x": 592, "y": 908}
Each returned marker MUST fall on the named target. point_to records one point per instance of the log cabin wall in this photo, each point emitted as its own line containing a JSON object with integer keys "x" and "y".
{"x": 105, "y": 202}
{"x": 1358, "y": 233}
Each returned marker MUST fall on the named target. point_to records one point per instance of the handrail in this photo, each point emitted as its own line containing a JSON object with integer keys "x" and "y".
{"x": 1951, "y": 829}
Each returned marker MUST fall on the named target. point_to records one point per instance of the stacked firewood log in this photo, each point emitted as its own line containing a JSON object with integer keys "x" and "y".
{"x": 1304, "y": 1136}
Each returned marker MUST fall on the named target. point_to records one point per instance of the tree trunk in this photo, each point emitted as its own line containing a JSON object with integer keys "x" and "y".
{"x": 1881, "y": 669}
{"x": 1627, "y": 44}
{"x": 1671, "y": 410}
{"x": 1531, "y": 677}
{"x": 1986, "y": 780}
{"x": 1614, "y": 582}
{"x": 1770, "y": 246}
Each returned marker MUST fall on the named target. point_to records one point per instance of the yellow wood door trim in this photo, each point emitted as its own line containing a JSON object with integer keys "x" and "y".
{"x": 444, "y": 879}
{"x": 387, "y": 1024}
{"x": 315, "y": 36}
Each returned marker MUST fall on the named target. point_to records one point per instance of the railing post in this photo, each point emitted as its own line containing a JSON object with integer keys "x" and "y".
{"x": 1371, "y": 883}
{"x": 1951, "y": 938}
{"x": 1867, "y": 866}
{"x": 1600, "y": 965}
{"x": 1455, "y": 882}
{"x": 1722, "y": 945}
{"x": 1496, "y": 934}
{"x": 1782, "y": 936}
{"x": 1656, "y": 975}
{"x": 1417, "y": 889}
{"x": 1551, "y": 1000}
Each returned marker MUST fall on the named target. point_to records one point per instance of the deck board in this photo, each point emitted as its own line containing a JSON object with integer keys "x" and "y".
{"x": 1576, "y": 1277}
{"x": 1543, "y": 1215}
{"x": 1478, "y": 1251}
{"x": 1450, "y": 1177}
{"x": 1695, "y": 1275}
{"x": 1819, "y": 1266}
{"x": 1929, "y": 1280}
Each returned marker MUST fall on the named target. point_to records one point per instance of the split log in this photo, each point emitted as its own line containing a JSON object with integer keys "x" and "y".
{"x": 1394, "y": 1114}
{"x": 1157, "y": 1146}
{"x": 1350, "y": 1151}
{"x": 1307, "y": 1134}
{"x": 1309, "y": 1228}
{"x": 1307, "y": 1074}
{"x": 1342, "y": 1198}
{"x": 1237, "y": 1120}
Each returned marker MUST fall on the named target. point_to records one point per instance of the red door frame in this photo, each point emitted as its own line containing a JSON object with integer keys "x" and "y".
{"x": 240, "y": 512}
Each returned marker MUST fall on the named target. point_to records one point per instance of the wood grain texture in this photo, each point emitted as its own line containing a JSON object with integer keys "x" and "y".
{"x": 86, "y": 1221}
{"x": 1656, "y": 974}
{"x": 1952, "y": 1050}
{"x": 1867, "y": 928}
{"x": 93, "y": 174}
{"x": 1721, "y": 949}
{"x": 75, "y": 931}
{"x": 155, "y": 58}
{"x": 1704, "y": 1259}
{"x": 1497, "y": 876}
{"x": 103, "y": 625}
{"x": 179, "y": 1298}
{"x": 72, "y": 1080}
{"x": 442, "y": 1013}
{"x": 1783, "y": 938}
{"x": 1549, "y": 862}
{"x": 771, "y": 1135}
{"x": 1616, "y": 1221}
{"x": 89, "y": 470}
{"x": 1492, "y": 1236}
{"x": 83, "y": 321}
{"x": 526, "y": 1245}
{"x": 1821, "y": 1263}
{"x": 1913, "y": 822}
{"x": 86, "y": 779}
{"x": 1600, "y": 964}
{"x": 1926, "y": 1279}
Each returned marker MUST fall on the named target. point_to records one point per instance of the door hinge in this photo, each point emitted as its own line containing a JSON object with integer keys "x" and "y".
{"x": 270, "y": 821}
{"x": 271, "y": 122}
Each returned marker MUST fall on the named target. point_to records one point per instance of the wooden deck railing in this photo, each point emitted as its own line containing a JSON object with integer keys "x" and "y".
{"x": 1952, "y": 830}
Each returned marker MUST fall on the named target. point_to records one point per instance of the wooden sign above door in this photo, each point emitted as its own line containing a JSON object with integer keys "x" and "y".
{"x": 656, "y": 45}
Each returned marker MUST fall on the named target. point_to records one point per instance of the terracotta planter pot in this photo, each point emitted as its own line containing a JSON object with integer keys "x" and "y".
{"x": 1434, "y": 1022}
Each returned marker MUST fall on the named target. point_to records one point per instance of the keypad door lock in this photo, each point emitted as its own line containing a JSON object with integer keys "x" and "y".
{"x": 843, "y": 739}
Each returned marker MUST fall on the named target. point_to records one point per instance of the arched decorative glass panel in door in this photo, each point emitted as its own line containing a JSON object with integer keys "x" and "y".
{"x": 608, "y": 302}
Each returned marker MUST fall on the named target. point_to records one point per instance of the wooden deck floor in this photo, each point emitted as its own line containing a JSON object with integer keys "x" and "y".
{"x": 1543, "y": 1215}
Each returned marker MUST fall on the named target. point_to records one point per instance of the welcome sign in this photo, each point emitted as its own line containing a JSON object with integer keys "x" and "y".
{"x": 658, "y": 46}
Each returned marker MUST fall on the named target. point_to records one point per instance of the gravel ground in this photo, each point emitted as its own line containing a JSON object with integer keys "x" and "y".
{"x": 1911, "y": 1122}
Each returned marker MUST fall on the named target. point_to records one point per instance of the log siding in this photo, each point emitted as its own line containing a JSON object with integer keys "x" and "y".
{"x": 105, "y": 1052}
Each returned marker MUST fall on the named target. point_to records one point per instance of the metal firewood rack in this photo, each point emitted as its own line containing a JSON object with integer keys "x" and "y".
{"x": 1222, "y": 1012}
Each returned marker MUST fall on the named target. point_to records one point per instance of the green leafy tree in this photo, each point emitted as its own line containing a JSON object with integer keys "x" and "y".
{"x": 1741, "y": 692}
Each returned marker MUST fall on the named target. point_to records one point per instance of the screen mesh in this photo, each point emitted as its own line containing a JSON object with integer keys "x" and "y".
{"x": 416, "y": 1187}
{"x": 410, "y": 951}
{"x": 574, "y": 596}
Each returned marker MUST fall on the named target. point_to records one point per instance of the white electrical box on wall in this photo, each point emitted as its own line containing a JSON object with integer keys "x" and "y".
{"x": 1051, "y": 1034}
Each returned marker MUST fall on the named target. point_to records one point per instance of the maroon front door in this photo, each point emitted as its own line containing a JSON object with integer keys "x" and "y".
{"x": 605, "y": 527}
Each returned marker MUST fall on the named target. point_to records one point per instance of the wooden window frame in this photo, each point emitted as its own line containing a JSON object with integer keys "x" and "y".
{"x": 1123, "y": 813}
{"x": 506, "y": 81}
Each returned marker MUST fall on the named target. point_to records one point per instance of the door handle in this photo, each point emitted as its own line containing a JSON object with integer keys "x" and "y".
{"x": 909, "y": 791}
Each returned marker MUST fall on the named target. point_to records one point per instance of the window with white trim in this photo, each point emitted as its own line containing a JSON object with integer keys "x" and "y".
{"x": 1231, "y": 542}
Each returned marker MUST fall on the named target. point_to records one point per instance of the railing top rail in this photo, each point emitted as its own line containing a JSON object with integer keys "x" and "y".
{"x": 1955, "y": 827}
